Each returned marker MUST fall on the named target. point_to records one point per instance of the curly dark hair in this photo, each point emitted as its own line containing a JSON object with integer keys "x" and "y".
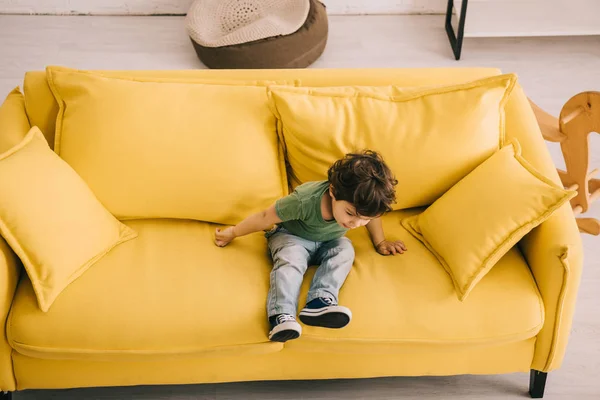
{"x": 364, "y": 180}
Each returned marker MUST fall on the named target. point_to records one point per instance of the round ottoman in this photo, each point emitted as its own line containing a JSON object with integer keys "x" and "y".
{"x": 296, "y": 48}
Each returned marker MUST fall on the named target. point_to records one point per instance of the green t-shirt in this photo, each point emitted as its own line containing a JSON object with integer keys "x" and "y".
{"x": 301, "y": 213}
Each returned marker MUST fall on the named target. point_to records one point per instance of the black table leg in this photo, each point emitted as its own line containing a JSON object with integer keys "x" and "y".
{"x": 456, "y": 40}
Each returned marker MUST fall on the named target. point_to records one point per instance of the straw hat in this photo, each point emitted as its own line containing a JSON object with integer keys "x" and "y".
{"x": 217, "y": 23}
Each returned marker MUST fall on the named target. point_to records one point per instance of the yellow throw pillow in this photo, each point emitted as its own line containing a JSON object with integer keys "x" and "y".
{"x": 166, "y": 149}
{"x": 14, "y": 123}
{"x": 430, "y": 137}
{"x": 484, "y": 215}
{"x": 51, "y": 219}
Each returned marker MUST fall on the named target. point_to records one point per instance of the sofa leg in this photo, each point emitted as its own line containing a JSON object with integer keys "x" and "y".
{"x": 5, "y": 395}
{"x": 537, "y": 383}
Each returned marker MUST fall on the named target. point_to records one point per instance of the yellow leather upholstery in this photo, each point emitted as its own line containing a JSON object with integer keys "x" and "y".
{"x": 469, "y": 228}
{"x": 42, "y": 108}
{"x": 190, "y": 297}
{"x": 553, "y": 252}
{"x": 14, "y": 123}
{"x": 10, "y": 269}
{"x": 426, "y": 138}
{"x": 283, "y": 365}
{"x": 62, "y": 236}
{"x": 170, "y": 291}
{"x": 411, "y": 301}
{"x": 163, "y": 149}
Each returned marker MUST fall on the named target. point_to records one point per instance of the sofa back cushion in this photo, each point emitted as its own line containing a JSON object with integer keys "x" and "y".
{"x": 42, "y": 107}
{"x": 152, "y": 148}
{"x": 430, "y": 137}
{"x": 14, "y": 123}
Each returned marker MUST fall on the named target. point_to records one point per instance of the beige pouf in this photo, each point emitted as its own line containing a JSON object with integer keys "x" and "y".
{"x": 258, "y": 33}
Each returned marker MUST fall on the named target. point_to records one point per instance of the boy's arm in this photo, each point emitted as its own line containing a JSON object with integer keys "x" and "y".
{"x": 254, "y": 223}
{"x": 257, "y": 222}
{"x": 376, "y": 231}
{"x": 383, "y": 246}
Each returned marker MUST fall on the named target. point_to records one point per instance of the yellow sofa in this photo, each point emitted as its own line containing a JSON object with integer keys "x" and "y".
{"x": 170, "y": 307}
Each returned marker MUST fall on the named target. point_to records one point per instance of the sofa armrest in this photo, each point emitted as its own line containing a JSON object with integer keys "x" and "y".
{"x": 554, "y": 254}
{"x": 10, "y": 270}
{"x": 553, "y": 250}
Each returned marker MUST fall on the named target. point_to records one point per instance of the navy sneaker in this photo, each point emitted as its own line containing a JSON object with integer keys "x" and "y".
{"x": 325, "y": 312}
{"x": 283, "y": 328}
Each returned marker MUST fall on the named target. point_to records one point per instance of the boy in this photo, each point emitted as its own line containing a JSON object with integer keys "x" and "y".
{"x": 311, "y": 224}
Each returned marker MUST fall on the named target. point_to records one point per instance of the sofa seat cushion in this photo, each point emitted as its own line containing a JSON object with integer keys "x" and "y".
{"x": 402, "y": 302}
{"x": 171, "y": 292}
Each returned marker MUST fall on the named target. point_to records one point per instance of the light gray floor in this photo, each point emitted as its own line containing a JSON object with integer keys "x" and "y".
{"x": 550, "y": 69}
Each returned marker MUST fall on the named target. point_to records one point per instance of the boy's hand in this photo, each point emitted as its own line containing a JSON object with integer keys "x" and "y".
{"x": 224, "y": 236}
{"x": 386, "y": 247}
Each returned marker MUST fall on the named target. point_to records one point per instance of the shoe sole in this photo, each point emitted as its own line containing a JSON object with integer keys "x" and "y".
{"x": 287, "y": 331}
{"x": 327, "y": 319}
{"x": 284, "y": 336}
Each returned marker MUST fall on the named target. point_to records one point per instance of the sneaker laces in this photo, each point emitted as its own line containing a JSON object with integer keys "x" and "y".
{"x": 281, "y": 318}
{"x": 329, "y": 301}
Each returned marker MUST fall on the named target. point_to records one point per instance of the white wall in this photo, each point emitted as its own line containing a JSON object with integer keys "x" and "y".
{"x": 145, "y": 7}
{"x": 341, "y": 7}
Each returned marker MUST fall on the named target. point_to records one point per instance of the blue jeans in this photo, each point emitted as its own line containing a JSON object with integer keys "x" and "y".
{"x": 291, "y": 257}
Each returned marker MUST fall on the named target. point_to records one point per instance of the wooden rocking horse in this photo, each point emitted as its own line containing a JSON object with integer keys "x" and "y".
{"x": 578, "y": 118}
